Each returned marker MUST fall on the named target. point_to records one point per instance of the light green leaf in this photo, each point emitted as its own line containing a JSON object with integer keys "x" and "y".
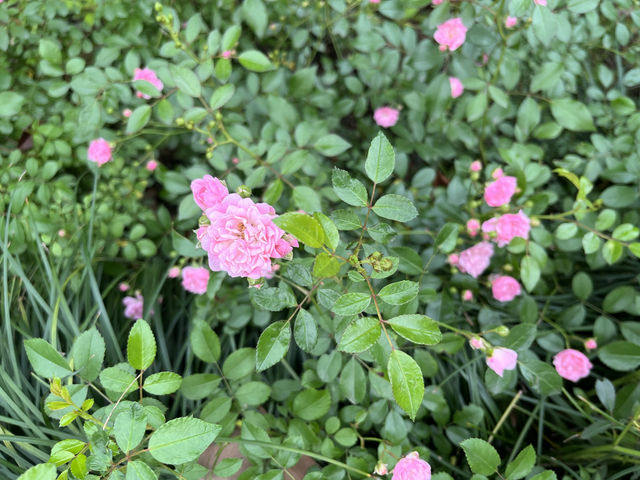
{"x": 10, "y": 103}
{"x": 522, "y": 464}
{"x": 255, "y": 61}
{"x": 612, "y": 251}
{"x": 129, "y": 427}
{"x": 360, "y": 335}
{"x": 331, "y": 234}
{"x": 141, "y": 346}
{"x": 529, "y": 272}
{"x": 162, "y": 383}
{"x": 273, "y": 299}
{"x": 186, "y": 81}
{"x": 138, "y": 119}
{"x": 416, "y": 328}
{"x": 325, "y": 265}
{"x": 311, "y": 404}
{"x": 45, "y": 360}
{"x": 255, "y": 14}
{"x": 305, "y": 331}
{"x": 44, "y": 471}
{"x": 582, "y": 6}
{"x": 395, "y": 207}
{"x": 406, "y": 382}
{"x": 184, "y": 246}
{"x": 381, "y": 159}
{"x": 483, "y": 459}
{"x": 182, "y": 440}
{"x": 399, "y": 293}
{"x": 205, "y": 342}
{"x": 331, "y": 145}
{"x": 302, "y": 226}
{"x": 572, "y": 115}
{"x": 353, "y": 381}
{"x": 348, "y": 190}
{"x": 273, "y": 344}
{"x": 138, "y": 470}
{"x": 591, "y": 243}
{"x": 87, "y": 354}
{"x": 221, "y": 96}
{"x": 540, "y": 375}
{"x": 239, "y": 364}
{"x": 620, "y": 356}
{"x": 351, "y": 303}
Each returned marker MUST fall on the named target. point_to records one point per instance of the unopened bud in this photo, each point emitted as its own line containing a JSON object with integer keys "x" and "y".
{"x": 244, "y": 191}
{"x": 502, "y": 330}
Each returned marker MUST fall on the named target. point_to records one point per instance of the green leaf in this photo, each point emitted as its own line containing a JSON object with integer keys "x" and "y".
{"x": 117, "y": 379}
{"x": 87, "y": 354}
{"x": 546, "y": 475}
{"x": 273, "y": 299}
{"x": 50, "y": 51}
{"x": 273, "y": 344}
{"x": 230, "y": 37}
{"x": 447, "y": 237}
{"x": 582, "y": 285}
{"x": 255, "y": 14}
{"x": 253, "y": 393}
{"x": 138, "y": 470}
{"x": 311, "y": 404}
{"x": 529, "y": 272}
{"x": 381, "y": 159}
{"x": 227, "y": 467}
{"x": 540, "y": 375}
{"x": 331, "y": 145}
{"x": 45, "y": 360}
{"x": 353, "y": 381}
{"x": 221, "y": 96}
{"x": 348, "y": 190}
{"x": 483, "y": 459}
{"x": 399, "y": 293}
{"x": 239, "y": 364}
{"x": 351, "y": 303}
{"x": 305, "y": 331}
{"x": 44, "y": 471}
{"x": 302, "y": 226}
{"x": 325, "y": 265}
{"x": 146, "y": 88}
{"x": 416, "y": 328}
{"x": 544, "y": 24}
{"x": 625, "y": 232}
{"x": 582, "y": 6}
{"x": 612, "y": 251}
{"x": 331, "y": 234}
{"x": 606, "y": 393}
{"x": 635, "y": 249}
{"x": 360, "y": 335}
{"x": 255, "y": 61}
{"x": 184, "y": 246}
{"x": 477, "y": 106}
{"x": 182, "y": 440}
{"x": 138, "y": 119}
{"x": 406, "y": 382}
{"x": 619, "y": 196}
{"x": 141, "y": 346}
{"x": 620, "y": 356}
{"x": 162, "y": 383}
{"x": 10, "y": 103}
{"x": 395, "y": 207}
{"x": 572, "y": 115}
{"x": 186, "y": 81}
{"x": 129, "y": 427}
{"x": 204, "y": 342}
{"x": 522, "y": 464}
{"x": 591, "y": 243}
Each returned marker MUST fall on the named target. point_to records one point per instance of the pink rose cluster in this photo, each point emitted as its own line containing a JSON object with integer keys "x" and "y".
{"x": 241, "y": 238}
{"x": 572, "y": 364}
{"x": 412, "y": 467}
{"x": 451, "y": 34}
{"x": 147, "y": 75}
{"x": 508, "y": 227}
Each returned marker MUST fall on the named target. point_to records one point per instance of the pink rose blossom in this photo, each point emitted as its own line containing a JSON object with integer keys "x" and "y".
{"x": 208, "y": 191}
{"x": 133, "y": 306}
{"x": 467, "y": 295}
{"x": 456, "y": 87}
{"x": 540, "y": 2}
{"x": 227, "y": 54}
{"x": 381, "y": 468}
{"x": 572, "y": 364}
{"x": 374, "y": 1}
{"x": 411, "y": 467}
{"x": 476, "y": 343}
{"x": 99, "y": 151}
{"x": 126, "y": 113}
{"x": 453, "y": 258}
{"x": 62, "y": 233}
{"x": 590, "y": 344}
{"x": 510, "y": 22}
{"x": 473, "y": 227}
{"x": 475, "y": 166}
{"x": 505, "y": 288}
{"x": 437, "y": 2}
{"x": 151, "y": 165}
{"x": 497, "y": 173}
{"x": 386, "y": 116}
{"x": 235, "y": 160}
{"x": 512, "y": 225}
{"x": 451, "y": 34}
{"x": 502, "y": 359}
{"x": 123, "y": 287}
{"x": 148, "y": 75}
{"x": 476, "y": 259}
{"x": 174, "y": 272}
{"x": 499, "y": 193}
{"x": 195, "y": 279}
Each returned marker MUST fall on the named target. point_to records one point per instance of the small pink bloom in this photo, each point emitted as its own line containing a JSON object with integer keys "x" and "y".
{"x": 126, "y": 113}
{"x": 456, "y": 87}
{"x": 381, "y": 468}
{"x": 227, "y": 54}
{"x": 510, "y": 22}
{"x": 467, "y": 295}
{"x": 499, "y": 193}
{"x": 174, "y": 272}
{"x": 123, "y": 287}
{"x": 476, "y": 166}
{"x": 540, "y": 2}
{"x": 235, "y": 160}
{"x": 512, "y": 225}
{"x": 476, "y": 259}
{"x": 502, "y": 359}
{"x": 451, "y": 34}
{"x": 195, "y": 279}
{"x": 411, "y": 467}
{"x": 99, "y": 151}
{"x": 476, "y": 343}
{"x": 505, "y": 288}
{"x": 437, "y": 2}
{"x": 386, "y": 116}
{"x": 572, "y": 364}
{"x": 453, "y": 259}
{"x": 497, "y": 173}
{"x": 148, "y": 75}
{"x": 209, "y": 140}
{"x": 473, "y": 227}
{"x": 151, "y": 165}
{"x": 62, "y": 233}
{"x": 133, "y": 306}
{"x": 590, "y": 344}
{"x": 208, "y": 191}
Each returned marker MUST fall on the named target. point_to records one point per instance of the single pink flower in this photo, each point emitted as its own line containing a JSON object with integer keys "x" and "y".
{"x": 467, "y": 295}
{"x": 511, "y": 22}
{"x": 453, "y": 258}
{"x": 411, "y": 467}
{"x": 195, "y": 279}
{"x": 235, "y": 160}
{"x": 133, "y": 306}
{"x": 572, "y": 364}
{"x": 209, "y": 140}
{"x": 381, "y": 468}
{"x": 150, "y": 76}
{"x": 386, "y": 116}
{"x": 151, "y": 165}
{"x": 62, "y": 233}
{"x": 475, "y": 166}
{"x": 476, "y": 259}
{"x": 456, "y": 87}
{"x": 512, "y": 225}
{"x": 505, "y": 288}
{"x": 208, "y": 191}
{"x": 590, "y": 344}
{"x": 227, "y": 54}
{"x": 540, "y": 2}
{"x": 497, "y": 173}
{"x": 451, "y": 34}
{"x": 502, "y": 359}
{"x": 473, "y": 227}
{"x": 126, "y": 113}
{"x": 174, "y": 272}
{"x": 99, "y": 151}
{"x": 499, "y": 193}
{"x": 476, "y": 343}
{"x": 437, "y": 2}
{"x": 123, "y": 287}
{"x": 489, "y": 225}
